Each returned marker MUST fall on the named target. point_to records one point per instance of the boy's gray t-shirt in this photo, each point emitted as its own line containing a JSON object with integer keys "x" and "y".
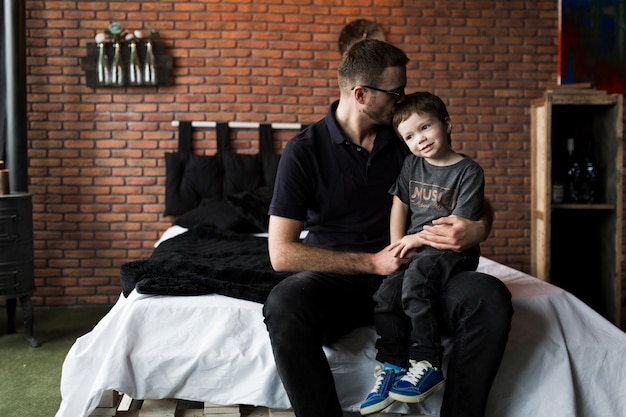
{"x": 433, "y": 191}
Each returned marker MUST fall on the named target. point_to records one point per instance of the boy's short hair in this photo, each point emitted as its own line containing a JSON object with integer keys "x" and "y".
{"x": 364, "y": 62}
{"x": 420, "y": 102}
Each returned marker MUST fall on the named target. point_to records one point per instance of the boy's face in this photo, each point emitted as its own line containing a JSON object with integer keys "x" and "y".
{"x": 426, "y": 136}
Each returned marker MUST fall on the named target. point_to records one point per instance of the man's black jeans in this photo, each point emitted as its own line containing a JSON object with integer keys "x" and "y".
{"x": 308, "y": 309}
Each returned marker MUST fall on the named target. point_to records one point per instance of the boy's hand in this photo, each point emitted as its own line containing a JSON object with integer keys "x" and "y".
{"x": 384, "y": 262}
{"x": 406, "y": 246}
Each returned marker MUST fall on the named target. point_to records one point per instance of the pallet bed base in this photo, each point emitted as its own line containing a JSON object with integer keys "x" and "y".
{"x": 116, "y": 404}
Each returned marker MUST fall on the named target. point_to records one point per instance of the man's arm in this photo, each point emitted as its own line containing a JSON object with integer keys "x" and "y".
{"x": 457, "y": 233}
{"x": 287, "y": 253}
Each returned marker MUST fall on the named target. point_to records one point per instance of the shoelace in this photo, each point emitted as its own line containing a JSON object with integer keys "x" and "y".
{"x": 415, "y": 372}
{"x": 380, "y": 374}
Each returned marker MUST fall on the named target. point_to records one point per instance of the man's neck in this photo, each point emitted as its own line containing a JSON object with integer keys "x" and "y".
{"x": 358, "y": 128}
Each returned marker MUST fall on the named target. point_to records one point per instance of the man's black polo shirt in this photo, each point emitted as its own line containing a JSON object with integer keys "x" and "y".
{"x": 338, "y": 189}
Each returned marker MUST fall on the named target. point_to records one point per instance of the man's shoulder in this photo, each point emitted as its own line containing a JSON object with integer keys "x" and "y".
{"x": 308, "y": 141}
{"x": 309, "y": 134}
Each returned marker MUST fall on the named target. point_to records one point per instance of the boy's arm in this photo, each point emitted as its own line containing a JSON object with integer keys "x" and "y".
{"x": 402, "y": 245}
{"x": 397, "y": 227}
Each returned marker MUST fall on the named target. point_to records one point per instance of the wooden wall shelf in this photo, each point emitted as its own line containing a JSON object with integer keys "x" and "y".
{"x": 578, "y": 246}
{"x": 163, "y": 62}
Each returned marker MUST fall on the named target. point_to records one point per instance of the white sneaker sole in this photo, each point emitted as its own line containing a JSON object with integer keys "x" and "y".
{"x": 374, "y": 408}
{"x": 416, "y": 398}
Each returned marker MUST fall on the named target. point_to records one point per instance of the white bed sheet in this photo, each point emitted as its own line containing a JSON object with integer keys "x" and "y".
{"x": 562, "y": 358}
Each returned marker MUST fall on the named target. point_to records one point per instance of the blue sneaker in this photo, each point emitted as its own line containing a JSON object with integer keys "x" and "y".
{"x": 421, "y": 380}
{"x": 378, "y": 399}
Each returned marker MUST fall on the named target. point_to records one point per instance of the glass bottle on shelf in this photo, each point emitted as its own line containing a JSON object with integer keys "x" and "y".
{"x": 4, "y": 179}
{"x": 134, "y": 66}
{"x": 117, "y": 67}
{"x": 104, "y": 77}
{"x": 574, "y": 174}
{"x": 589, "y": 180}
{"x": 149, "y": 66}
{"x": 559, "y": 178}
{"x": 558, "y": 191}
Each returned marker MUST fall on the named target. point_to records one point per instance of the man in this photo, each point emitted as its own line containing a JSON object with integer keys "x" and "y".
{"x": 333, "y": 180}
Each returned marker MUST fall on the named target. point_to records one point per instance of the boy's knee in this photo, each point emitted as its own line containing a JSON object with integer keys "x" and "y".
{"x": 390, "y": 290}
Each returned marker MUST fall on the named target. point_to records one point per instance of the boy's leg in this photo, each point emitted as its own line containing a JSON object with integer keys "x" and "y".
{"x": 392, "y": 324}
{"x": 420, "y": 290}
{"x": 420, "y": 296}
{"x": 426, "y": 274}
{"x": 393, "y": 329}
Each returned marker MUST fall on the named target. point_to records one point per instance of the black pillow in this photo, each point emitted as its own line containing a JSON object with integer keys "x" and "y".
{"x": 217, "y": 213}
{"x": 227, "y": 190}
{"x": 253, "y": 205}
{"x": 270, "y": 166}
{"x": 242, "y": 172}
{"x": 190, "y": 180}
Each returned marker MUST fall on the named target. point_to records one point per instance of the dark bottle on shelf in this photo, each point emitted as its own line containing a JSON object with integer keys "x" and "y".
{"x": 574, "y": 174}
{"x": 559, "y": 180}
{"x": 589, "y": 180}
{"x": 4, "y": 179}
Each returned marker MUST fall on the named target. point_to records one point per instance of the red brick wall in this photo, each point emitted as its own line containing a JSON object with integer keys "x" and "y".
{"x": 96, "y": 154}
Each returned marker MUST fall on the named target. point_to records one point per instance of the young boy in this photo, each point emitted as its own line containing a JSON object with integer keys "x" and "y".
{"x": 435, "y": 181}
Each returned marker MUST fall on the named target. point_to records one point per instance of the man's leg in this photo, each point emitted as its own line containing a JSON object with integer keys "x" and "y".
{"x": 303, "y": 312}
{"x": 476, "y": 310}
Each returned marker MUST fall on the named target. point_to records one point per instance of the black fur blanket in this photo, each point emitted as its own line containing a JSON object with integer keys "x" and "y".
{"x": 205, "y": 260}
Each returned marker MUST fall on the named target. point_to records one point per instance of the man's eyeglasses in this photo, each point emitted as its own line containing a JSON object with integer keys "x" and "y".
{"x": 398, "y": 93}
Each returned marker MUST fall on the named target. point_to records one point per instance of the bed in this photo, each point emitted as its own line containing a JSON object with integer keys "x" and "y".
{"x": 197, "y": 333}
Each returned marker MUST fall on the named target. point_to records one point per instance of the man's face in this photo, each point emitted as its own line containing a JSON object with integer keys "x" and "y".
{"x": 380, "y": 104}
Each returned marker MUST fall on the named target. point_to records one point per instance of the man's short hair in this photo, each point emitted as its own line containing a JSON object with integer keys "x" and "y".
{"x": 364, "y": 62}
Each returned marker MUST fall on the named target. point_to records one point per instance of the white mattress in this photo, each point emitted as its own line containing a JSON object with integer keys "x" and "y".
{"x": 562, "y": 358}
